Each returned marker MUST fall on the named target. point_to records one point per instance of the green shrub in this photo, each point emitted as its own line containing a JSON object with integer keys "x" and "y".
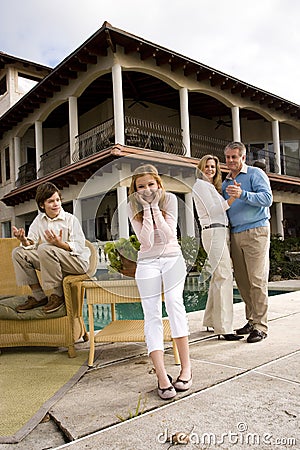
{"x": 280, "y": 264}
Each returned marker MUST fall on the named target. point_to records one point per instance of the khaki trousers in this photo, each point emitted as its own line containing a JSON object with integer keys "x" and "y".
{"x": 250, "y": 256}
{"x": 53, "y": 262}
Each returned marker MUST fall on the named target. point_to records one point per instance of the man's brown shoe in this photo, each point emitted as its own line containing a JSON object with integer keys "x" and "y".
{"x": 31, "y": 303}
{"x": 54, "y": 303}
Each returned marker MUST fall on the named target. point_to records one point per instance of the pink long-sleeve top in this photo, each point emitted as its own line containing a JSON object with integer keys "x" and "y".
{"x": 157, "y": 234}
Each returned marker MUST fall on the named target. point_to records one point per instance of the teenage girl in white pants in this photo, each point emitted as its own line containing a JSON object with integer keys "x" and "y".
{"x": 153, "y": 214}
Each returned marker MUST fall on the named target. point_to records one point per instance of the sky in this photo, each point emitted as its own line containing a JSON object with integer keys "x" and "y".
{"x": 256, "y": 41}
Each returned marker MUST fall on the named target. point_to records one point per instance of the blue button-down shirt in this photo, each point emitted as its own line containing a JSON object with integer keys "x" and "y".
{"x": 251, "y": 210}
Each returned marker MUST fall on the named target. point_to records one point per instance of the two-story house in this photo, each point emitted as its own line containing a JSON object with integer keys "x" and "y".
{"x": 119, "y": 100}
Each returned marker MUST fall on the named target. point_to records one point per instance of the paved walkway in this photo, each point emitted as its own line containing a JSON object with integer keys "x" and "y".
{"x": 244, "y": 396}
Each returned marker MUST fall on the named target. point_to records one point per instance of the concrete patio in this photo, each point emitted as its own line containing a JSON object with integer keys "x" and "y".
{"x": 244, "y": 396}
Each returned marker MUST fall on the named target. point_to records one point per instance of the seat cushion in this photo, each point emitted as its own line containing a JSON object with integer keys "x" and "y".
{"x": 8, "y": 310}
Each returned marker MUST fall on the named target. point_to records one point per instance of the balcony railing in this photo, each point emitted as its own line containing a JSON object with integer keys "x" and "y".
{"x": 27, "y": 173}
{"x": 153, "y": 135}
{"x": 138, "y": 133}
{"x": 54, "y": 159}
{"x": 290, "y": 166}
{"x": 94, "y": 140}
{"x": 203, "y": 145}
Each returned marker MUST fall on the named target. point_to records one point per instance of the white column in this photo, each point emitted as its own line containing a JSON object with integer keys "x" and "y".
{"x": 279, "y": 218}
{"x": 118, "y": 104}
{"x": 189, "y": 215}
{"x": 236, "y": 130}
{"x": 11, "y": 160}
{"x": 77, "y": 209}
{"x": 38, "y": 144}
{"x": 122, "y": 211}
{"x": 73, "y": 124}
{"x": 17, "y": 155}
{"x": 184, "y": 119}
{"x": 276, "y": 144}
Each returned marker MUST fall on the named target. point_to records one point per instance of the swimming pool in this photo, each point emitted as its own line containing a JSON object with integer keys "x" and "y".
{"x": 195, "y": 297}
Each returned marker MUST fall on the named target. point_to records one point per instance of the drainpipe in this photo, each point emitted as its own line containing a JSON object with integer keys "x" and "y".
{"x": 73, "y": 124}
{"x": 38, "y": 145}
{"x": 184, "y": 119}
{"x": 118, "y": 104}
{"x": 236, "y": 131}
{"x": 278, "y": 205}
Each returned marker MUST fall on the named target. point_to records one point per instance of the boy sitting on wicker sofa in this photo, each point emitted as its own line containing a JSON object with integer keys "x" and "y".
{"x": 55, "y": 245}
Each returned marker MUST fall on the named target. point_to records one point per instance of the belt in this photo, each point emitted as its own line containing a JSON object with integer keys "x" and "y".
{"x": 215, "y": 225}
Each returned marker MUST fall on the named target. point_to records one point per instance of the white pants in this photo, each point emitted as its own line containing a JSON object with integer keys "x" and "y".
{"x": 153, "y": 275}
{"x": 219, "y": 307}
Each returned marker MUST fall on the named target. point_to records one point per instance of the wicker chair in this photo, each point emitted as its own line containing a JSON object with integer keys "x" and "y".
{"x": 47, "y": 329}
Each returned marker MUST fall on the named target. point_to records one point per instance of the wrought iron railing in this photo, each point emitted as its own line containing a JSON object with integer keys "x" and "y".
{"x": 94, "y": 140}
{"x": 27, "y": 173}
{"x": 202, "y": 145}
{"x": 54, "y": 159}
{"x": 290, "y": 166}
{"x": 153, "y": 135}
{"x": 263, "y": 155}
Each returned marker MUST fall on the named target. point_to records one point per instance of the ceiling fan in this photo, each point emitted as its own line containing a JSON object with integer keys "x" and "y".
{"x": 136, "y": 95}
{"x": 137, "y": 101}
{"x": 225, "y": 123}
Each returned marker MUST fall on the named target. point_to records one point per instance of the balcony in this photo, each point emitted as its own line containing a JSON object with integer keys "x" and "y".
{"x": 203, "y": 145}
{"x": 150, "y": 135}
{"x": 138, "y": 133}
{"x": 27, "y": 173}
{"x": 54, "y": 159}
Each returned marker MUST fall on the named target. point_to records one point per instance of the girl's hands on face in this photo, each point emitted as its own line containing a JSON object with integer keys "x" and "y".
{"x": 141, "y": 200}
{"x": 157, "y": 197}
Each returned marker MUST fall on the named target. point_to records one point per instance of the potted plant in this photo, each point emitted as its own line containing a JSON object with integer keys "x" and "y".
{"x": 194, "y": 254}
{"x": 122, "y": 255}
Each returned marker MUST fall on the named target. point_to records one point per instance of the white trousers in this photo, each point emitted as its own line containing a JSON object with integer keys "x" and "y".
{"x": 153, "y": 275}
{"x": 219, "y": 307}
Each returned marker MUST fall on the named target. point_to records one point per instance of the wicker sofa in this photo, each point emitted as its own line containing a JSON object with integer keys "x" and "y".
{"x": 35, "y": 328}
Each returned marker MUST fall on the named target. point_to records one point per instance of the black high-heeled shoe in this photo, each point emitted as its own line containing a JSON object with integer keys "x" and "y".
{"x": 230, "y": 337}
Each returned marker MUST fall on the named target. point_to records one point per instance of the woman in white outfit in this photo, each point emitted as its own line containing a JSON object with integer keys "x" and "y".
{"x": 153, "y": 215}
{"x": 211, "y": 209}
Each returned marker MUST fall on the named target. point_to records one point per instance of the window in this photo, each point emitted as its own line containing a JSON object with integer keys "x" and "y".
{"x": 6, "y": 229}
{"x": 0, "y": 169}
{"x": 7, "y": 164}
{"x": 291, "y": 155}
{"x": 26, "y": 82}
{"x": 3, "y": 87}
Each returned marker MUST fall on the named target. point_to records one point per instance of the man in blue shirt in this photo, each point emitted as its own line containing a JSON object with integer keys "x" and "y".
{"x": 250, "y": 236}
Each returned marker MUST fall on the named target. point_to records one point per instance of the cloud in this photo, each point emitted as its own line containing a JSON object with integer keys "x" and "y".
{"x": 255, "y": 41}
